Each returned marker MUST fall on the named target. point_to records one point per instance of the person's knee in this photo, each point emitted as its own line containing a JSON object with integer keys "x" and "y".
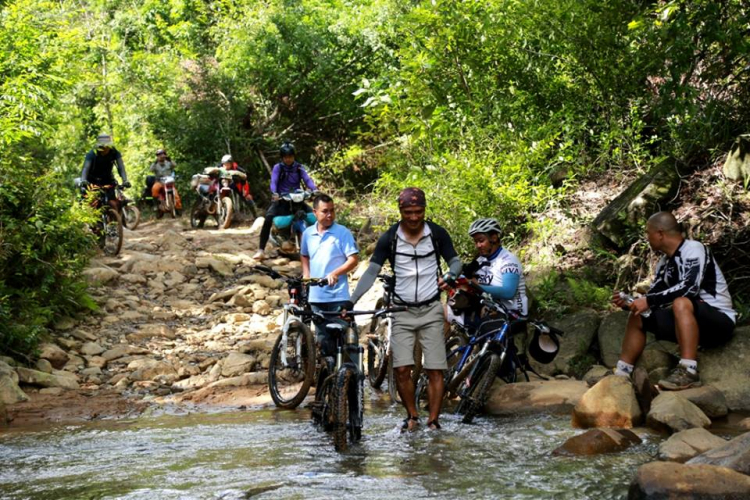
{"x": 682, "y": 306}
{"x": 403, "y": 371}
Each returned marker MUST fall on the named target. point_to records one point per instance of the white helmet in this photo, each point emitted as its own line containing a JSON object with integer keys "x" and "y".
{"x": 226, "y": 158}
{"x": 484, "y": 226}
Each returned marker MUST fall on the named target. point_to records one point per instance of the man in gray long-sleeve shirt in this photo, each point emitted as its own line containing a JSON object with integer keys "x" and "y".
{"x": 414, "y": 248}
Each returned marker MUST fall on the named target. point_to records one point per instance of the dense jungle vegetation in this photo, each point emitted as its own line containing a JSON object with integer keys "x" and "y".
{"x": 495, "y": 107}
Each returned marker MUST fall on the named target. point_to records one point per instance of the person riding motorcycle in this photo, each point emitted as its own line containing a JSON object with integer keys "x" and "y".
{"x": 162, "y": 167}
{"x": 241, "y": 187}
{"x": 97, "y": 167}
{"x": 286, "y": 176}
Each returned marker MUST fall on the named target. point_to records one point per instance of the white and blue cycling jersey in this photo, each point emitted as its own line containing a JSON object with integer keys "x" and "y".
{"x": 501, "y": 275}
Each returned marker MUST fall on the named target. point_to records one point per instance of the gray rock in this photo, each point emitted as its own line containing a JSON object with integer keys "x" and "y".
{"x": 610, "y": 403}
{"x": 734, "y": 455}
{"x": 597, "y": 441}
{"x": 726, "y": 368}
{"x": 744, "y": 424}
{"x": 709, "y": 399}
{"x": 150, "y": 369}
{"x": 610, "y": 335}
{"x": 34, "y": 377}
{"x": 6, "y": 369}
{"x": 684, "y": 445}
{"x": 10, "y": 393}
{"x": 669, "y": 480}
{"x": 83, "y": 335}
{"x": 52, "y": 353}
{"x": 670, "y": 411}
{"x": 91, "y": 349}
{"x": 100, "y": 275}
{"x": 51, "y": 391}
{"x": 595, "y": 373}
{"x": 236, "y": 364}
{"x": 580, "y": 331}
{"x": 122, "y": 350}
{"x": 558, "y": 396}
{"x": 44, "y": 365}
{"x": 657, "y": 355}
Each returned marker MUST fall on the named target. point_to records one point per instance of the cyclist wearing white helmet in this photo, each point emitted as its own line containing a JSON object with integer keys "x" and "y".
{"x": 496, "y": 269}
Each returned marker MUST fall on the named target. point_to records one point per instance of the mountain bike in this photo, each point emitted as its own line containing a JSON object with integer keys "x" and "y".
{"x": 339, "y": 392}
{"x": 108, "y": 228}
{"x": 291, "y": 370}
{"x": 379, "y": 359}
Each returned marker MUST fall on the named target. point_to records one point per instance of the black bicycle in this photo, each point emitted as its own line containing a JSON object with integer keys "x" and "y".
{"x": 339, "y": 394}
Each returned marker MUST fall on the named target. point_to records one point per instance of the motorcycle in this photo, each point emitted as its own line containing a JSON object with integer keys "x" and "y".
{"x": 129, "y": 213}
{"x": 287, "y": 230}
{"x": 167, "y": 197}
{"x": 243, "y": 210}
{"x": 214, "y": 189}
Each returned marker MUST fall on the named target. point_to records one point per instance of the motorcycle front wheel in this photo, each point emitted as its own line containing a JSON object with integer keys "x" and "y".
{"x": 131, "y": 217}
{"x": 197, "y": 215}
{"x": 225, "y": 213}
{"x": 170, "y": 205}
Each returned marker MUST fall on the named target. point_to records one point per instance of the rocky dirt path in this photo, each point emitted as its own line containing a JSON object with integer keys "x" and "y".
{"x": 183, "y": 320}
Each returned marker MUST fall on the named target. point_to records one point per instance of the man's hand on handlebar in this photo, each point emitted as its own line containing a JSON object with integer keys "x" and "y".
{"x": 348, "y": 306}
{"x": 447, "y": 281}
{"x": 126, "y": 184}
{"x": 275, "y": 196}
{"x": 332, "y": 279}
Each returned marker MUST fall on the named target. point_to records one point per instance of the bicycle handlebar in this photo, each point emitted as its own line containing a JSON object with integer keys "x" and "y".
{"x": 278, "y": 276}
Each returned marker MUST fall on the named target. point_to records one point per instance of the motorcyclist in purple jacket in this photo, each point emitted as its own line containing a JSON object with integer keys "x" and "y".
{"x": 286, "y": 176}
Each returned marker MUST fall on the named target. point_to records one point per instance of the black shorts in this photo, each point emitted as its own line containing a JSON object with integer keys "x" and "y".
{"x": 714, "y": 327}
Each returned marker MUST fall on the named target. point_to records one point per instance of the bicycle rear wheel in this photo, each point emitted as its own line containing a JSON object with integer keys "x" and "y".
{"x": 322, "y": 408}
{"x": 476, "y": 394}
{"x": 345, "y": 408}
{"x": 377, "y": 359}
{"x": 292, "y": 366}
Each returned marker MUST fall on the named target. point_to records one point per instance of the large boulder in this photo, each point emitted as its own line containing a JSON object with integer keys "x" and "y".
{"x": 684, "y": 445}
{"x": 737, "y": 164}
{"x": 10, "y": 393}
{"x": 734, "y": 455}
{"x": 52, "y": 353}
{"x": 709, "y": 399}
{"x": 597, "y": 441}
{"x": 534, "y": 397}
{"x": 610, "y": 403}
{"x": 726, "y": 368}
{"x": 610, "y": 335}
{"x": 580, "y": 330}
{"x": 669, "y": 480}
{"x": 236, "y": 364}
{"x": 58, "y": 379}
{"x": 670, "y": 411}
{"x": 637, "y": 202}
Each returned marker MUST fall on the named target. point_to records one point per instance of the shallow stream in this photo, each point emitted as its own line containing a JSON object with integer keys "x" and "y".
{"x": 279, "y": 454}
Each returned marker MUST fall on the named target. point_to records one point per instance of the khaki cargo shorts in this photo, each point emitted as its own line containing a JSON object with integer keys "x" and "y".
{"x": 426, "y": 324}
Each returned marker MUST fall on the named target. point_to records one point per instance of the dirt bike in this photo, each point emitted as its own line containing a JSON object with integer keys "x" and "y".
{"x": 129, "y": 213}
{"x": 287, "y": 230}
{"x": 166, "y": 198}
{"x": 214, "y": 198}
{"x": 243, "y": 210}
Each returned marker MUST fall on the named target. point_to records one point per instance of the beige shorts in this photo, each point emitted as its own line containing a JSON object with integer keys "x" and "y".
{"x": 426, "y": 324}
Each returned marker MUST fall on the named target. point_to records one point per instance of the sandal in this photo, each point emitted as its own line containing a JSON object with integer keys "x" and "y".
{"x": 405, "y": 426}
{"x": 434, "y": 425}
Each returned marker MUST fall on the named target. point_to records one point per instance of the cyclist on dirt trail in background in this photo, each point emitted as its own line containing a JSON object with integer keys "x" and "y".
{"x": 241, "y": 187}
{"x": 689, "y": 303}
{"x": 97, "y": 167}
{"x": 286, "y": 176}
{"x": 414, "y": 248}
{"x": 328, "y": 250}
{"x": 162, "y": 167}
{"x": 496, "y": 270}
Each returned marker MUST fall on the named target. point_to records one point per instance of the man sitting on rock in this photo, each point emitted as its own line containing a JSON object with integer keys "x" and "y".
{"x": 688, "y": 303}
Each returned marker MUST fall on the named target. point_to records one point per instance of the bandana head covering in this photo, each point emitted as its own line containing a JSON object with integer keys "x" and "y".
{"x": 411, "y": 197}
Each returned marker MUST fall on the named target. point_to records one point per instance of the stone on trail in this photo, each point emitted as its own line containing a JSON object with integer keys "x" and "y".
{"x": 63, "y": 324}
{"x": 726, "y": 368}
{"x": 526, "y": 397}
{"x": 146, "y": 369}
{"x": 670, "y": 480}
{"x": 610, "y": 403}
{"x": 734, "y": 455}
{"x": 670, "y": 411}
{"x": 35, "y": 377}
{"x": 236, "y": 364}
{"x": 133, "y": 278}
{"x": 597, "y": 441}
{"x": 219, "y": 266}
{"x": 6, "y": 369}
{"x": 100, "y": 275}
{"x": 709, "y": 399}
{"x": 262, "y": 307}
{"x": 121, "y": 350}
{"x": 684, "y": 445}
{"x": 10, "y": 393}
{"x": 237, "y": 318}
{"x": 91, "y": 349}
{"x": 595, "y": 374}
{"x": 151, "y": 330}
{"x": 83, "y": 335}
{"x": 744, "y": 424}
{"x": 44, "y": 366}
{"x": 52, "y": 353}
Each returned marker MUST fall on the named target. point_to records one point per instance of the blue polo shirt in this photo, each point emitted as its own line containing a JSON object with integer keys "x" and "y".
{"x": 327, "y": 252}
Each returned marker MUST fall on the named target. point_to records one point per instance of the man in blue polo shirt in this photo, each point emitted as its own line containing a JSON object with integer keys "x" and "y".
{"x": 328, "y": 250}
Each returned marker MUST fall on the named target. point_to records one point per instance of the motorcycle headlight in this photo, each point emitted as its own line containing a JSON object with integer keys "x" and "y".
{"x": 297, "y": 197}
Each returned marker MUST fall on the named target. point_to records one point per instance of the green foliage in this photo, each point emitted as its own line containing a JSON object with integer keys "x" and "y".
{"x": 555, "y": 295}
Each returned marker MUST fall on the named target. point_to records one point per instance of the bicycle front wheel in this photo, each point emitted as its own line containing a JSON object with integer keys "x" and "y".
{"x": 346, "y": 408}
{"x": 292, "y": 366}
{"x": 112, "y": 232}
{"x": 476, "y": 394}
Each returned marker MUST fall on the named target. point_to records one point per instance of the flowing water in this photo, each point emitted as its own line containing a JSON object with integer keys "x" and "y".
{"x": 280, "y": 454}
